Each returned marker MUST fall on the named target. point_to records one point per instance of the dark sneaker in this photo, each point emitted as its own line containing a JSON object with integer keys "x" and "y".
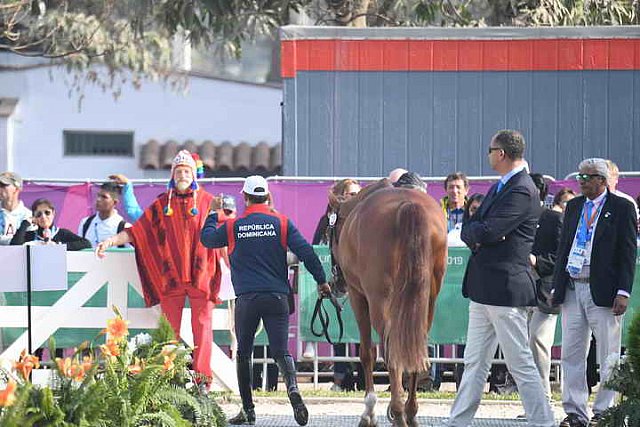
{"x": 595, "y": 420}
{"x": 300, "y": 412}
{"x": 247, "y": 417}
{"x": 572, "y": 420}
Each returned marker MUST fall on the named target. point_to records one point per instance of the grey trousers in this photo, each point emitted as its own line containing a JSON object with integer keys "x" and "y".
{"x": 542, "y": 331}
{"x": 488, "y": 327}
{"x": 581, "y": 317}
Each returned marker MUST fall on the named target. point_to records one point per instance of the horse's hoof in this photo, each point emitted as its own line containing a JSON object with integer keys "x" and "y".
{"x": 368, "y": 422}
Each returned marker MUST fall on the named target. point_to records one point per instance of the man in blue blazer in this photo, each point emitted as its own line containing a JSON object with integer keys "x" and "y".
{"x": 593, "y": 277}
{"x": 500, "y": 285}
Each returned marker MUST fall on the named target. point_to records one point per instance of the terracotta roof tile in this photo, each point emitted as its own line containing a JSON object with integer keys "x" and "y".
{"x": 219, "y": 159}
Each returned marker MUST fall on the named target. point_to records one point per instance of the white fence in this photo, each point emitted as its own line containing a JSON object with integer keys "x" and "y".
{"x": 118, "y": 270}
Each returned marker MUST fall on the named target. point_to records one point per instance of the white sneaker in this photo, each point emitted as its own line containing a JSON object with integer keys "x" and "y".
{"x": 309, "y": 352}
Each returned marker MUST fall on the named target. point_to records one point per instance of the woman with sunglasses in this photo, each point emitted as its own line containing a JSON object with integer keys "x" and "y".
{"x": 45, "y": 231}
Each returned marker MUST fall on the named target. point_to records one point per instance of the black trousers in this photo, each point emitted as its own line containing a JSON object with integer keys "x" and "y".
{"x": 273, "y": 309}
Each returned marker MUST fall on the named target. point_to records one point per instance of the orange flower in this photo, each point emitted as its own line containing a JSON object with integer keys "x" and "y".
{"x": 26, "y": 363}
{"x": 111, "y": 348}
{"x": 168, "y": 363}
{"x": 76, "y": 372}
{"x": 8, "y": 395}
{"x": 73, "y": 368}
{"x": 117, "y": 328}
{"x": 136, "y": 368}
{"x": 87, "y": 363}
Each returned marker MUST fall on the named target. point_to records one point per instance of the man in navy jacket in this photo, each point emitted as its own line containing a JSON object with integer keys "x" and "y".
{"x": 499, "y": 283}
{"x": 593, "y": 278}
{"x": 258, "y": 242}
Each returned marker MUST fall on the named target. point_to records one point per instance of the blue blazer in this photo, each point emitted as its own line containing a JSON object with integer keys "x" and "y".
{"x": 500, "y": 235}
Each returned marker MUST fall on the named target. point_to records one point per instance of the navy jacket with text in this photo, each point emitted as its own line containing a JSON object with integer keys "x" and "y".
{"x": 258, "y": 242}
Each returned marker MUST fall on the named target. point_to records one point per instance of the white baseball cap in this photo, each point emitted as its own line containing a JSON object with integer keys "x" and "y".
{"x": 256, "y": 186}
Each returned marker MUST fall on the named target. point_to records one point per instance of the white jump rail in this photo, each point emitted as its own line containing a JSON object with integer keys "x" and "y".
{"x": 117, "y": 270}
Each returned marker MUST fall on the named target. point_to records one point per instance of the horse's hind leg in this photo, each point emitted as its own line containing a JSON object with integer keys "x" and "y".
{"x": 367, "y": 358}
{"x": 395, "y": 411}
{"x": 411, "y": 406}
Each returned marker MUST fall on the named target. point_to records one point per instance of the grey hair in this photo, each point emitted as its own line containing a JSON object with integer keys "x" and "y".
{"x": 597, "y": 164}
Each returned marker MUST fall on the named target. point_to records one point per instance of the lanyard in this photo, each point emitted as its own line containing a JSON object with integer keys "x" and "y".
{"x": 587, "y": 221}
{"x": 53, "y": 230}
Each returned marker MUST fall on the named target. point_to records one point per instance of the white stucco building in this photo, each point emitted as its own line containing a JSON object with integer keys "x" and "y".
{"x": 41, "y": 125}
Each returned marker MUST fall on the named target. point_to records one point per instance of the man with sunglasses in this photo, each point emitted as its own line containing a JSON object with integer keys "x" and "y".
{"x": 593, "y": 277}
{"x": 12, "y": 209}
{"x": 500, "y": 285}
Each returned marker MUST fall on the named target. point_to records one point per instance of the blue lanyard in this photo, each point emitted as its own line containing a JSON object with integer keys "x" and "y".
{"x": 587, "y": 223}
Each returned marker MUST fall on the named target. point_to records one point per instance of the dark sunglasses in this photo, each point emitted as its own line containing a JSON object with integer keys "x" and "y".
{"x": 47, "y": 212}
{"x": 587, "y": 176}
{"x": 494, "y": 149}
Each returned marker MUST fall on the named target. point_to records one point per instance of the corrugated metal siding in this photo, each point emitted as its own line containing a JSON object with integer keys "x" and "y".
{"x": 367, "y": 123}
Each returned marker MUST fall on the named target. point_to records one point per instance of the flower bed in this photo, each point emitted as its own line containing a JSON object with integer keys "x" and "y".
{"x": 141, "y": 381}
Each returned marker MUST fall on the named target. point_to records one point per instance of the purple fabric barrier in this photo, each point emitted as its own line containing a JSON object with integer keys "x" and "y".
{"x": 72, "y": 202}
{"x": 303, "y": 202}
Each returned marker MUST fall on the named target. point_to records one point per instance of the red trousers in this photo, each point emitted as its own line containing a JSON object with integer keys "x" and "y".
{"x": 172, "y": 304}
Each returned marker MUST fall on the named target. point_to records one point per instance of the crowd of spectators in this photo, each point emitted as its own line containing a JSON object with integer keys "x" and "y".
{"x": 561, "y": 262}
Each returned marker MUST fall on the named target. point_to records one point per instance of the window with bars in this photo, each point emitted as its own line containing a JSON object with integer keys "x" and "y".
{"x": 93, "y": 143}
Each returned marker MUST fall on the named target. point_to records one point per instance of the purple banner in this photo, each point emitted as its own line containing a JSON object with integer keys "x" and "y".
{"x": 303, "y": 202}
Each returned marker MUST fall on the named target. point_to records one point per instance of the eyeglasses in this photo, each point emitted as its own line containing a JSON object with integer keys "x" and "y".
{"x": 47, "y": 212}
{"x": 494, "y": 149}
{"x": 586, "y": 176}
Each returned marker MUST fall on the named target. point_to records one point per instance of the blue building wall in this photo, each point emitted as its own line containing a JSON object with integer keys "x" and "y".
{"x": 361, "y": 123}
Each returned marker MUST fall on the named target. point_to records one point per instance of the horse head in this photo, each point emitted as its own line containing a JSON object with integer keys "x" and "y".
{"x": 340, "y": 209}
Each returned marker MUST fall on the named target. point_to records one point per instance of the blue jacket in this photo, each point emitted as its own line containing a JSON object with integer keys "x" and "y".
{"x": 131, "y": 206}
{"x": 258, "y": 242}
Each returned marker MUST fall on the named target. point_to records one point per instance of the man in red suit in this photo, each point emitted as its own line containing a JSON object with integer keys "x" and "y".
{"x": 172, "y": 262}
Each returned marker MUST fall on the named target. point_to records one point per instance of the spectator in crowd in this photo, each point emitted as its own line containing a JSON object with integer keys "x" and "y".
{"x": 593, "y": 278}
{"x": 612, "y": 184}
{"x": 105, "y": 222}
{"x": 46, "y": 232}
{"x": 457, "y": 187}
{"x": 471, "y": 206}
{"x": 342, "y": 371}
{"x": 395, "y": 174}
{"x": 12, "y": 209}
{"x": 172, "y": 262}
{"x": 345, "y": 188}
{"x": 258, "y": 242}
{"x": 129, "y": 202}
{"x": 499, "y": 283}
{"x": 543, "y": 317}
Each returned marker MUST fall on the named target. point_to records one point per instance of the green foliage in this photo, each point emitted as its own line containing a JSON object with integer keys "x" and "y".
{"x": 626, "y": 381}
{"x": 580, "y": 12}
{"x": 110, "y": 43}
{"x": 141, "y": 382}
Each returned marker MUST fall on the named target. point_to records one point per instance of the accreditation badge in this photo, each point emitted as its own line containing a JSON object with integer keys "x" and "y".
{"x": 576, "y": 259}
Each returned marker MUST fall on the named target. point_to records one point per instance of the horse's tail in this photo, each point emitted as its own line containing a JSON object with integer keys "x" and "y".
{"x": 407, "y": 325}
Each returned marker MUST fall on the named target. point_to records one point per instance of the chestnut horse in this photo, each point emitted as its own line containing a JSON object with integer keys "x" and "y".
{"x": 391, "y": 245}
